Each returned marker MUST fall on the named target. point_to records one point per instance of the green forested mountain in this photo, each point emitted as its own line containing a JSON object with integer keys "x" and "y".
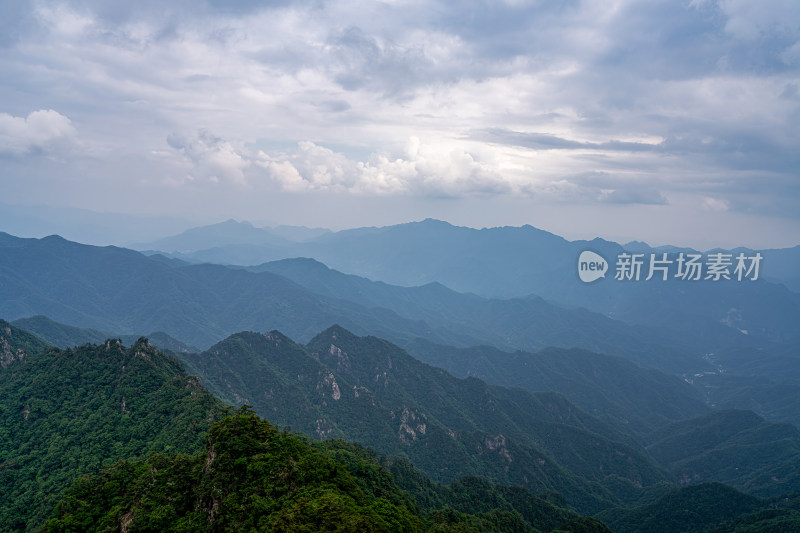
{"x": 64, "y": 336}
{"x": 16, "y": 344}
{"x": 737, "y": 371}
{"x": 707, "y": 508}
{"x": 370, "y": 391}
{"x": 254, "y": 477}
{"x": 251, "y": 477}
{"x": 611, "y": 388}
{"x": 735, "y": 447}
{"x": 765, "y": 382}
{"x": 64, "y": 413}
{"x": 779, "y": 515}
{"x": 67, "y": 413}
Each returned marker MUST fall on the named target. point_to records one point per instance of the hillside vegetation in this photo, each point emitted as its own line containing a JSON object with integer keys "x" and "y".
{"x": 254, "y": 477}
{"x": 65, "y": 413}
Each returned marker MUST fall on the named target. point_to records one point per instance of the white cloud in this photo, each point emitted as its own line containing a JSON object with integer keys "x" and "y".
{"x": 43, "y": 131}
{"x": 441, "y": 170}
{"x": 62, "y": 20}
{"x": 714, "y": 204}
{"x": 211, "y": 158}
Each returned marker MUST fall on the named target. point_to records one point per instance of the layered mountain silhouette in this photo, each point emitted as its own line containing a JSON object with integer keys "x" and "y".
{"x": 127, "y": 294}
{"x": 118, "y": 290}
{"x": 519, "y": 261}
{"x": 64, "y": 336}
{"x": 634, "y": 399}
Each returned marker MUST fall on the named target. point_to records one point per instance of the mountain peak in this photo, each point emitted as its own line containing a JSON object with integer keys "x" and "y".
{"x": 299, "y": 262}
{"x": 277, "y": 337}
{"x": 435, "y": 221}
{"x": 54, "y": 238}
{"x": 142, "y": 344}
{"x": 637, "y": 246}
{"x": 234, "y": 222}
{"x": 335, "y": 333}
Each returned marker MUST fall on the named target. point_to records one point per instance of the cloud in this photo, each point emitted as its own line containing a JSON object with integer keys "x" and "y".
{"x": 768, "y": 18}
{"x": 715, "y": 204}
{"x": 607, "y": 189}
{"x": 42, "y": 132}
{"x": 628, "y": 102}
{"x": 421, "y": 169}
{"x": 791, "y": 56}
{"x": 209, "y": 157}
{"x": 360, "y": 61}
{"x": 633, "y": 195}
{"x": 546, "y": 141}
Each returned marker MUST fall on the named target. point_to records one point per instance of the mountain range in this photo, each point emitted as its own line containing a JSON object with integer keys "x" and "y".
{"x": 465, "y": 360}
{"x": 509, "y": 262}
{"x": 107, "y": 437}
{"x": 119, "y": 290}
{"x": 126, "y": 293}
{"x": 369, "y": 391}
{"x": 139, "y": 391}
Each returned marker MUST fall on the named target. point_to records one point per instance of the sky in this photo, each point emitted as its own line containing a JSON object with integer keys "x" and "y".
{"x": 673, "y": 122}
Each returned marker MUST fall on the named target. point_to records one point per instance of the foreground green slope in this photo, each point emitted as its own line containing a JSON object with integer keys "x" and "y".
{"x": 370, "y": 391}
{"x": 99, "y": 410}
{"x": 254, "y": 477}
{"x": 64, "y": 413}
